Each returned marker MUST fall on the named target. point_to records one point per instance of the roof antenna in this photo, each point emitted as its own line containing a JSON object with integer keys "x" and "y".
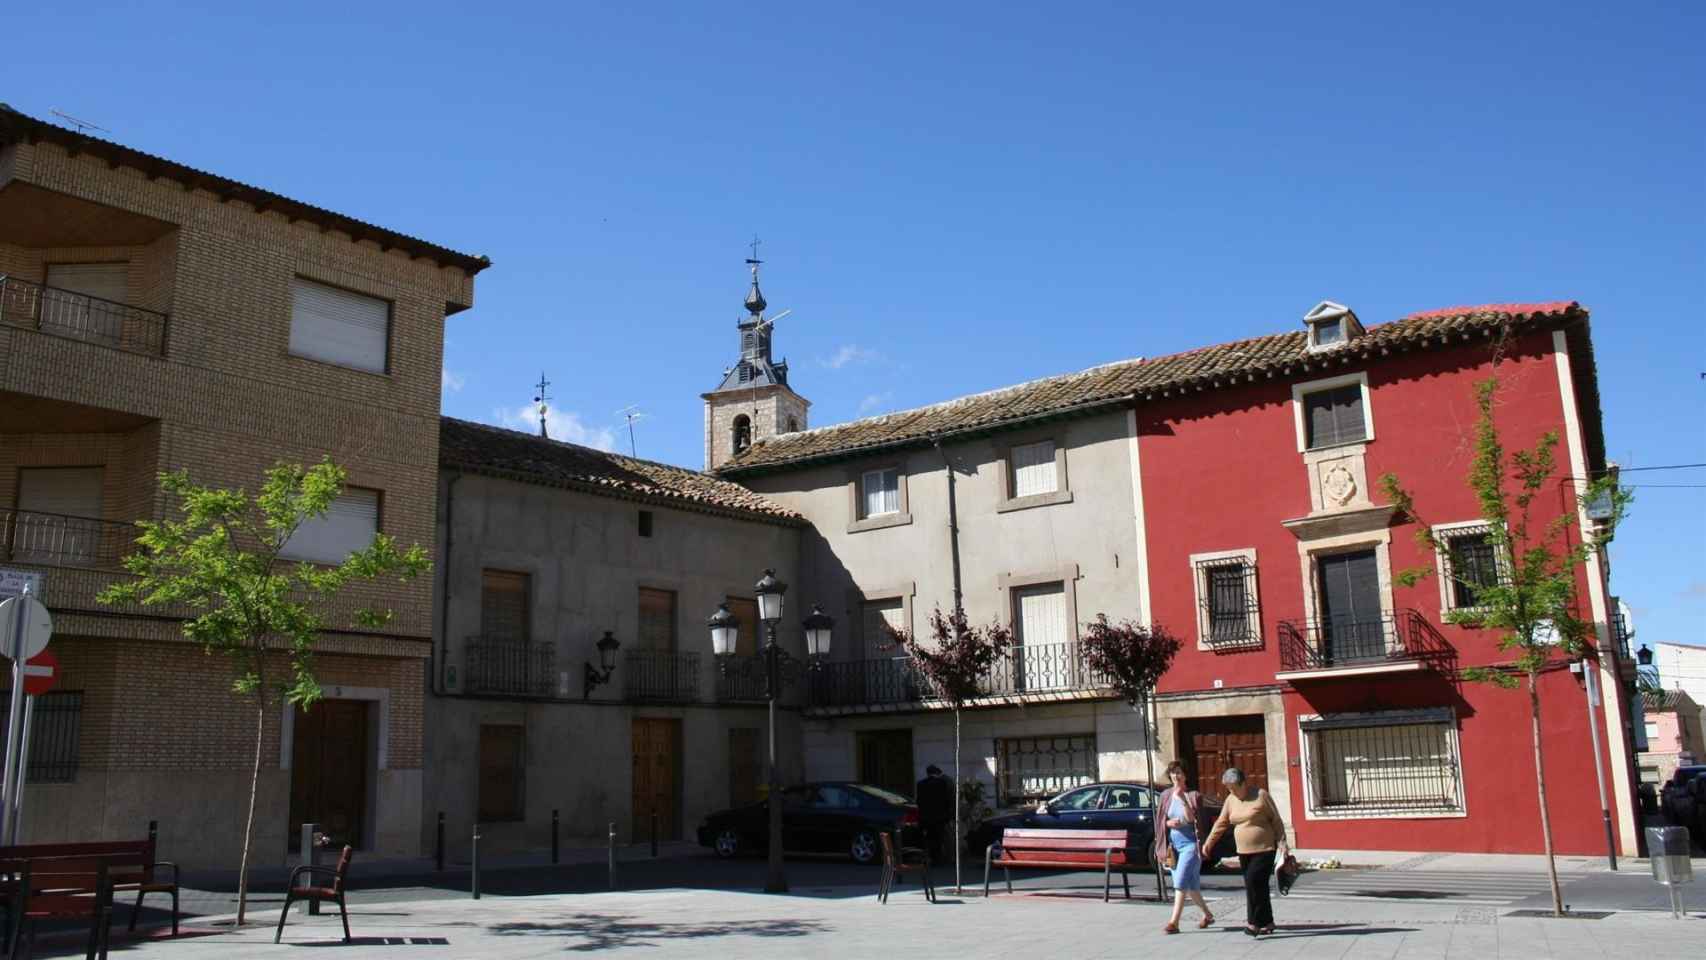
{"x": 631, "y": 412}
{"x": 543, "y": 399}
{"x": 83, "y": 126}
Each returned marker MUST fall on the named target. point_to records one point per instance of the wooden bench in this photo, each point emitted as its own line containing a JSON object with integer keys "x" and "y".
{"x": 131, "y": 864}
{"x": 60, "y": 888}
{"x": 1061, "y": 849}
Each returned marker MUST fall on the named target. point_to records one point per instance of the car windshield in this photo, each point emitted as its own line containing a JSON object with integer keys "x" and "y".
{"x": 884, "y": 795}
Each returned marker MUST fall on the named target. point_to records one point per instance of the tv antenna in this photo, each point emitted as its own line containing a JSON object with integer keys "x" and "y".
{"x": 83, "y": 126}
{"x": 543, "y": 400}
{"x": 631, "y": 413}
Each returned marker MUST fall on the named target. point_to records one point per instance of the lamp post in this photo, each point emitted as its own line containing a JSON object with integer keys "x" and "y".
{"x": 725, "y": 629}
{"x": 607, "y": 647}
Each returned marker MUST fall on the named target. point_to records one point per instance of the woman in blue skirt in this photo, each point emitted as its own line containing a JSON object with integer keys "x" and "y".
{"x": 1177, "y": 813}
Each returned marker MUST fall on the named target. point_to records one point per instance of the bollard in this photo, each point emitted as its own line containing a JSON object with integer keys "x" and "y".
{"x": 308, "y": 858}
{"x": 654, "y": 834}
{"x": 439, "y": 850}
{"x": 553, "y": 837}
{"x": 612, "y": 854}
{"x": 476, "y": 858}
{"x": 154, "y": 835}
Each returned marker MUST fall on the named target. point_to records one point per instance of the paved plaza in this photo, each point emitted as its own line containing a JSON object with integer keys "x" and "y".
{"x": 1415, "y": 905}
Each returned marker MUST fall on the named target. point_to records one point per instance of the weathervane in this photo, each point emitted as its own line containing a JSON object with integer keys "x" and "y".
{"x": 543, "y": 399}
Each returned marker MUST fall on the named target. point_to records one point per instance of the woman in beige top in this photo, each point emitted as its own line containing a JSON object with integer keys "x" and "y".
{"x": 1259, "y": 834}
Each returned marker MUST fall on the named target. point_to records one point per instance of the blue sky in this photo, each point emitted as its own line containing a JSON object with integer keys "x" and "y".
{"x": 955, "y": 197}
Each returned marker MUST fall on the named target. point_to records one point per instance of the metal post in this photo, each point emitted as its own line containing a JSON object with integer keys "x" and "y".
{"x": 774, "y": 880}
{"x": 612, "y": 854}
{"x": 438, "y": 851}
{"x": 554, "y": 837}
{"x": 154, "y": 836}
{"x": 8, "y": 789}
{"x": 476, "y": 858}
{"x": 23, "y": 773}
{"x": 308, "y": 858}
{"x": 654, "y": 834}
{"x": 1590, "y": 675}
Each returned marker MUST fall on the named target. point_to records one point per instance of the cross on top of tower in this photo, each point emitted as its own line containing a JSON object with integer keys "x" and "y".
{"x": 543, "y": 399}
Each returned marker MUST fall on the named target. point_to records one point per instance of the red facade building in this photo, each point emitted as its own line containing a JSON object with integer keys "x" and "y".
{"x": 1272, "y": 552}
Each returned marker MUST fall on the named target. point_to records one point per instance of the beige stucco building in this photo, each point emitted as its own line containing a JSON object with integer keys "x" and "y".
{"x": 154, "y": 318}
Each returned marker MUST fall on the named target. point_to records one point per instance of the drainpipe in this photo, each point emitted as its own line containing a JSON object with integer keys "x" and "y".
{"x": 953, "y": 522}
{"x": 444, "y": 591}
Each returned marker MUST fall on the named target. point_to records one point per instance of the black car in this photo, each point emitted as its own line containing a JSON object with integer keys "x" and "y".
{"x": 832, "y": 817}
{"x": 1097, "y": 806}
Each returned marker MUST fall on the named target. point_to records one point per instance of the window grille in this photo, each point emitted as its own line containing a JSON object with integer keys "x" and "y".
{"x": 1471, "y": 563}
{"x": 54, "y": 735}
{"x": 1035, "y": 768}
{"x": 1230, "y": 617}
{"x": 1397, "y": 763}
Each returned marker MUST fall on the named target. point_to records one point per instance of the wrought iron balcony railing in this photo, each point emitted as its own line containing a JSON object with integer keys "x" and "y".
{"x": 1042, "y": 668}
{"x": 81, "y": 317}
{"x": 510, "y": 667}
{"x": 741, "y": 679}
{"x": 55, "y": 540}
{"x": 885, "y": 680}
{"x": 1035, "y": 668}
{"x": 660, "y": 675}
{"x": 1402, "y": 636}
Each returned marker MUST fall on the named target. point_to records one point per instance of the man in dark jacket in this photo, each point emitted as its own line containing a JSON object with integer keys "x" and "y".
{"x": 935, "y": 809}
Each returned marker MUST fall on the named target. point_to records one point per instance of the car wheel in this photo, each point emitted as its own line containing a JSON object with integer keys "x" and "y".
{"x": 863, "y": 849}
{"x": 728, "y": 843}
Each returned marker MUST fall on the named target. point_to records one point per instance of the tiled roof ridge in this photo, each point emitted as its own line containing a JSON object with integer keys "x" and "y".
{"x": 238, "y": 190}
{"x": 525, "y": 435}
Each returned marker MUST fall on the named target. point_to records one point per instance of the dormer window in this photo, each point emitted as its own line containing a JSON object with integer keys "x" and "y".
{"x": 1331, "y": 324}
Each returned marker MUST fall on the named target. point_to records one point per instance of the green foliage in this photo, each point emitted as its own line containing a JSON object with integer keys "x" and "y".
{"x": 958, "y": 657}
{"x": 1533, "y": 606}
{"x": 1132, "y": 657}
{"x": 220, "y": 562}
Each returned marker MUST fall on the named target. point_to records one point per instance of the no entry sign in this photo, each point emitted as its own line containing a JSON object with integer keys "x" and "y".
{"x": 41, "y": 673}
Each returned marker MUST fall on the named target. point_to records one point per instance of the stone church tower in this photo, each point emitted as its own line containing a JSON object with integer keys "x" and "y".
{"x": 754, "y": 400}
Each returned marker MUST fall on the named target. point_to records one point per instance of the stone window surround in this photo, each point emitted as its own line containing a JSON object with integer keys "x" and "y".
{"x": 1453, "y": 737}
{"x": 1442, "y": 533}
{"x": 1301, "y": 390}
{"x": 1310, "y": 550}
{"x": 1062, "y": 492}
{"x": 857, "y": 597}
{"x": 1066, "y": 575}
{"x": 1200, "y": 586}
{"x": 855, "y": 476}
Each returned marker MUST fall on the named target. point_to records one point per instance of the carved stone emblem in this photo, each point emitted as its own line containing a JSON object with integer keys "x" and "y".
{"x": 1338, "y": 484}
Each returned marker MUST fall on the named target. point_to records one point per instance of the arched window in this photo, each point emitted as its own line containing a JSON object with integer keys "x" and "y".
{"x": 743, "y": 433}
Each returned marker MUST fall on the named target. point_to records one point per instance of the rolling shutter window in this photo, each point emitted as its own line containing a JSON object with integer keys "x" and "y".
{"x": 63, "y": 491}
{"x": 1033, "y": 469}
{"x": 1041, "y": 614}
{"x": 349, "y": 525}
{"x": 338, "y": 326}
{"x": 104, "y": 280}
{"x": 1335, "y": 416}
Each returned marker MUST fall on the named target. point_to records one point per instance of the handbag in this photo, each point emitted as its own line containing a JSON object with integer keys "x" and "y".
{"x": 1287, "y": 874}
{"x": 1171, "y": 860}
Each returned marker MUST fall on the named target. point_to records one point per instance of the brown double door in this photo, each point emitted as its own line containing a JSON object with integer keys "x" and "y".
{"x": 328, "y": 771}
{"x": 1209, "y": 745}
{"x": 657, "y": 778}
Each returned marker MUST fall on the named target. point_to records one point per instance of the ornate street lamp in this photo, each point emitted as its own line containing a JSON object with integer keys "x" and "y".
{"x": 1644, "y": 655}
{"x": 607, "y": 647}
{"x": 725, "y": 628}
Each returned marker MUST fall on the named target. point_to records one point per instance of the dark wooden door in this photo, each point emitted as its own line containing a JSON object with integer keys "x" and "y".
{"x": 1351, "y": 622}
{"x": 746, "y": 766}
{"x": 885, "y": 760}
{"x": 328, "y": 771}
{"x": 657, "y": 778}
{"x": 1210, "y": 745}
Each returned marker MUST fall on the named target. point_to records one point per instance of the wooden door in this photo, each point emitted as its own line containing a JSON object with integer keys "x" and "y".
{"x": 746, "y": 766}
{"x": 328, "y": 771}
{"x": 885, "y": 760}
{"x": 1208, "y": 746}
{"x": 657, "y": 778}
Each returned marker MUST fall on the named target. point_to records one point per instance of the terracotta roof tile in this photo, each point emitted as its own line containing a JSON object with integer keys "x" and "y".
{"x": 495, "y": 451}
{"x": 1116, "y": 383}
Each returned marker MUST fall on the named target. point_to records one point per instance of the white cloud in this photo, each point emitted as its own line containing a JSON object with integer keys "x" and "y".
{"x": 452, "y": 382}
{"x": 560, "y": 424}
{"x": 874, "y": 402}
{"x": 850, "y": 353}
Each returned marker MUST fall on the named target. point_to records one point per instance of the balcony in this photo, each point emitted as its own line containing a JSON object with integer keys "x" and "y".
{"x": 1031, "y": 673}
{"x": 741, "y": 679}
{"x": 660, "y": 676}
{"x": 510, "y": 667}
{"x": 53, "y": 540}
{"x": 1395, "y": 643}
{"x": 81, "y": 317}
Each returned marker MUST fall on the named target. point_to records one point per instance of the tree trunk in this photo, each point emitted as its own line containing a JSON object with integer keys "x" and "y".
{"x": 1158, "y": 818}
{"x": 957, "y": 843}
{"x": 1540, "y": 785}
{"x": 254, "y": 790}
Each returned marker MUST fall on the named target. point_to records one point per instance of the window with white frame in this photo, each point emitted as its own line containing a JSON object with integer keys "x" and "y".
{"x": 1228, "y": 614}
{"x": 339, "y": 326}
{"x": 347, "y": 526}
{"x": 1334, "y": 416}
{"x": 879, "y": 492}
{"x": 1396, "y": 763}
{"x": 1469, "y": 563}
{"x": 1033, "y": 469}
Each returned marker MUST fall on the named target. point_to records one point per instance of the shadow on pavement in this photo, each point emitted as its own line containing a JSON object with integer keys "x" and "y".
{"x": 1294, "y": 931}
{"x": 602, "y": 931}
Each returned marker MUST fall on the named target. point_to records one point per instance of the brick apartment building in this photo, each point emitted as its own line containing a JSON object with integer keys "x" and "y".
{"x": 154, "y": 317}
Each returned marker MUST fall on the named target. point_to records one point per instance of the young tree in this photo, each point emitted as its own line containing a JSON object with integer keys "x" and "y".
{"x": 1532, "y": 602}
{"x": 1132, "y": 658}
{"x": 221, "y": 564}
{"x": 955, "y": 662}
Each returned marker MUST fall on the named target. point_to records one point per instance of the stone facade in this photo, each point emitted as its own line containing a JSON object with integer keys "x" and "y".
{"x": 769, "y": 410}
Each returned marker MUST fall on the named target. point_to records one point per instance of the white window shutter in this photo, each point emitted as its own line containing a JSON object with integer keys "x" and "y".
{"x": 349, "y": 525}
{"x": 104, "y": 280}
{"x": 1042, "y": 614}
{"x": 879, "y": 614}
{"x": 1033, "y": 469}
{"x": 64, "y": 491}
{"x": 338, "y": 326}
